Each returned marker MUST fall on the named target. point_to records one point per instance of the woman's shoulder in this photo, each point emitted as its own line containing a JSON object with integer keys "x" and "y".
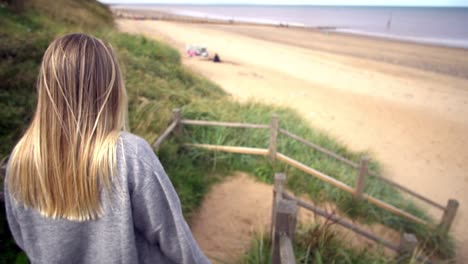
{"x": 134, "y": 146}
{"x": 138, "y": 161}
{"x": 131, "y": 139}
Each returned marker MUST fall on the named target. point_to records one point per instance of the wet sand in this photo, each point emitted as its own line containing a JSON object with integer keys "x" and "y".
{"x": 406, "y": 103}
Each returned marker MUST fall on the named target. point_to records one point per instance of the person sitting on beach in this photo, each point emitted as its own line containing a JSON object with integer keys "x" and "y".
{"x": 79, "y": 189}
{"x": 216, "y": 58}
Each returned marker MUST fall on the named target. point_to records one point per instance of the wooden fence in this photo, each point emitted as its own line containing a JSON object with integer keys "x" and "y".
{"x": 283, "y": 226}
{"x": 449, "y": 211}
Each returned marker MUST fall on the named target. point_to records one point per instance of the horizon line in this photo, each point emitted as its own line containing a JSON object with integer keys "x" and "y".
{"x": 264, "y": 4}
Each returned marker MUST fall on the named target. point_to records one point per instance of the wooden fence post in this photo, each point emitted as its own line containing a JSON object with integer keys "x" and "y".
{"x": 361, "y": 179}
{"x": 286, "y": 250}
{"x": 177, "y": 116}
{"x": 449, "y": 214}
{"x": 285, "y": 224}
{"x": 273, "y": 136}
{"x": 408, "y": 243}
{"x": 279, "y": 187}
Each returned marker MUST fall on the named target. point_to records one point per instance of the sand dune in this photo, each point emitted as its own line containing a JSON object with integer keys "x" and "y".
{"x": 406, "y": 103}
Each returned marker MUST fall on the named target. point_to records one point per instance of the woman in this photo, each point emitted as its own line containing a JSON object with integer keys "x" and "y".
{"x": 77, "y": 188}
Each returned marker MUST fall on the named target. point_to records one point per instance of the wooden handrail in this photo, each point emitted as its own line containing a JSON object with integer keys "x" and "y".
{"x": 336, "y": 219}
{"x": 223, "y": 124}
{"x": 408, "y": 191}
{"x": 319, "y": 148}
{"x": 232, "y": 149}
{"x": 349, "y": 189}
{"x": 401, "y": 248}
{"x": 317, "y": 174}
{"x": 166, "y": 133}
{"x": 355, "y": 165}
{"x": 177, "y": 127}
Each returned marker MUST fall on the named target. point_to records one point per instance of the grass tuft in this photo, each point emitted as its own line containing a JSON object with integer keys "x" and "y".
{"x": 315, "y": 244}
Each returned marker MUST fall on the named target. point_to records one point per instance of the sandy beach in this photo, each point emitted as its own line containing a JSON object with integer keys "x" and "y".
{"x": 406, "y": 103}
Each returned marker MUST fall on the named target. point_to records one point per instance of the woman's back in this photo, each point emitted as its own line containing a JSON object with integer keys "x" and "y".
{"x": 142, "y": 220}
{"x": 77, "y": 188}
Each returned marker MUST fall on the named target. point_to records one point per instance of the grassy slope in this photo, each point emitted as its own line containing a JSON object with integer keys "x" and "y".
{"x": 156, "y": 83}
{"x": 318, "y": 244}
{"x": 24, "y": 36}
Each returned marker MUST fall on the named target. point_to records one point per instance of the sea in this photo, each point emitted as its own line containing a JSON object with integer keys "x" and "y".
{"x": 431, "y": 25}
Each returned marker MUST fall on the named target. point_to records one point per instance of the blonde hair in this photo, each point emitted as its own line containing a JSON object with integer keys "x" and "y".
{"x": 68, "y": 153}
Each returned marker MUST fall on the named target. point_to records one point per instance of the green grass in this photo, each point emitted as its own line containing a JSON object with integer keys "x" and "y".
{"x": 300, "y": 183}
{"x": 320, "y": 243}
{"x": 317, "y": 244}
{"x": 24, "y": 38}
{"x": 156, "y": 83}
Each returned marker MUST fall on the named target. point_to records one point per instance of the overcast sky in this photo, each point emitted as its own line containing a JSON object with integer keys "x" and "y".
{"x": 306, "y": 2}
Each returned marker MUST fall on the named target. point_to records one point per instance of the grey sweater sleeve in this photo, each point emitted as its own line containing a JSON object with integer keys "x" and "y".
{"x": 11, "y": 217}
{"x": 157, "y": 212}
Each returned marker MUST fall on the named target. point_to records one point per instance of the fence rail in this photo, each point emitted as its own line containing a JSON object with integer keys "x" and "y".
{"x": 449, "y": 211}
{"x": 165, "y": 134}
{"x": 337, "y": 220}
{"x": 176, "y": 125}
{"x": 315, "y": 173}
{"x": 356, "y": 166}
{"x": 351, "y": 190}
{"x": 222, "y": 124}
{"x": 284, "y": 226}
{"x": 232, "y": 149}
{"x": 319, "y": 148}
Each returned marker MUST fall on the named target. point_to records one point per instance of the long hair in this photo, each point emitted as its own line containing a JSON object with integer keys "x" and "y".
{"x": 67, "y": 156}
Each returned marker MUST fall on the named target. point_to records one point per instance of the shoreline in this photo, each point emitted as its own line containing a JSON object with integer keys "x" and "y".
{"x": 441, "y": 65}
{"x": 128, "y": 12}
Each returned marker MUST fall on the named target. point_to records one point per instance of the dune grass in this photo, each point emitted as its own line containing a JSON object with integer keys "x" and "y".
{"x": 298, "y": 182}
{"x": 156, "y": 83}
{"x": 318, "y": 244}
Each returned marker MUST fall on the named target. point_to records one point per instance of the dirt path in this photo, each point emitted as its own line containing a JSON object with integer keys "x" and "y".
{"x": 391, "y": 101}
{"x": 238, "y": 209}
{"x": 227, "y": 220}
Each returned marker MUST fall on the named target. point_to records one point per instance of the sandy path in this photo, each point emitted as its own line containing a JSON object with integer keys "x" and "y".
{"x": 413, "y": 117}
{"x": 227, "y": 221}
